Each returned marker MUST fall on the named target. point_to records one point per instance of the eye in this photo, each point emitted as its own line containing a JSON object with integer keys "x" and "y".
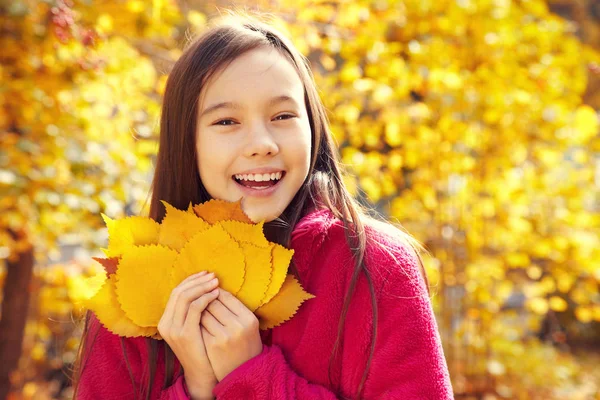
{"x": 223, "y": 120}
{"x": 285, "y": 115}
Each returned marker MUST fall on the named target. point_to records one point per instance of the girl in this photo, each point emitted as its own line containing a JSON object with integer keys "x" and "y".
{"x": 242, "y": 119}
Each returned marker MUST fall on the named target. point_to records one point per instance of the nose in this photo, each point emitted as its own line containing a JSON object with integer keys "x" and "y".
{"x": 260, "y": 142}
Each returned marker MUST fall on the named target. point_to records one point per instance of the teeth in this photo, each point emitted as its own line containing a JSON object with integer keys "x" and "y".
{"x": 259, "y": 177}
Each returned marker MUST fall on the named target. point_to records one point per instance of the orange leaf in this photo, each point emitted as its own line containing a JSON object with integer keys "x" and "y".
{"x": 110, "y": 264}
{"x": 216, "y": 210}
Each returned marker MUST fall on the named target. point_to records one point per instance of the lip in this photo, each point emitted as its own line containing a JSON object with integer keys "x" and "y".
{"x": 263, "y": 170}
{"x": 250, "y": 192}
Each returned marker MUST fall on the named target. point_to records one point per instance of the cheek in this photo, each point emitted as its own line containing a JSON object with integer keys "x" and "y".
{"x": 303, "y": 152}
{"x": 211, "y": 164}
{"x": 299, "y": 145}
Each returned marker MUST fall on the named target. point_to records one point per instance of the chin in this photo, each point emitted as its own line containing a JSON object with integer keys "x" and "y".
{"x": 257, "y": 215}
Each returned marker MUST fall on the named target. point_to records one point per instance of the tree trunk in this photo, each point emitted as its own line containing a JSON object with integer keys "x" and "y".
{"x": 15, "y": 305}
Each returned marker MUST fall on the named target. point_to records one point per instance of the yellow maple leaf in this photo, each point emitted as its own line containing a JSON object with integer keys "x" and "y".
{"x": 212, "y": 250}
{"x": 258, "y": 267}
{"x": 246, "y": 233}
{"x": 82, "y": 288}
{"x": 280, "y": 259}
{"x": 283, "y": 305}
{"x": 130, "y": 231}
{"x": 178, "y": 227}
{"x": 108, "y": 311}
{"x": 143, "y": 284}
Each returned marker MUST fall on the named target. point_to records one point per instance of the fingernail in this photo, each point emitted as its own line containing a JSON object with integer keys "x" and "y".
{"x": 201, "y": 273}
{"x": 215, "y": 280}
{"x": 215, "y": 291}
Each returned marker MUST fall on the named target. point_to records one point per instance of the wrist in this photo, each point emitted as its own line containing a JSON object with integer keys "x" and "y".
{"x": 201, "y": 394}
{"x": 198, "y": 390}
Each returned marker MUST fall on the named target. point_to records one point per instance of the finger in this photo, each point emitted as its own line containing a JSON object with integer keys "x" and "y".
{"x": 233, "y": 303}
{"x": 221, "y": 313}
{"x": 192, "y": 321}
{"x": 184, "y": 294}
{"x": 193, "y": 276}
{"x": 169, "y": 308}
{"x": 207, "y": 337}
{"x": 211, "y": 324}
{"x": 193, "y": 280}
{"x": 183, "y": 301}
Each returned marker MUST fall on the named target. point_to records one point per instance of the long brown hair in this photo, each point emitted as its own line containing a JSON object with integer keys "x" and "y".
{"x": 177, "y": 181}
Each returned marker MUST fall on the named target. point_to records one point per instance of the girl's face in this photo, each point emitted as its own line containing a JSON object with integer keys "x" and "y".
{"x": 253, "y": 136}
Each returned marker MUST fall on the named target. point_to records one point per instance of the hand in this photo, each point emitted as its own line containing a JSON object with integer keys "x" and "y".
{"x": 180, "y": 328}
{"x": 230, "y": 332}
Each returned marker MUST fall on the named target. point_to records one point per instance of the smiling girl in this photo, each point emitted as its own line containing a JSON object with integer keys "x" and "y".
{"x": 242, "y": 119}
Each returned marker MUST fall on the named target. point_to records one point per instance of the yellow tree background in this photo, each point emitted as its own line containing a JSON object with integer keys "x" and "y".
{"x": 471, "y": 123}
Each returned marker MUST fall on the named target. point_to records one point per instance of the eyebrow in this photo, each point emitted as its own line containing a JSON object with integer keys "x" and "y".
{"x": 236, "y": 106}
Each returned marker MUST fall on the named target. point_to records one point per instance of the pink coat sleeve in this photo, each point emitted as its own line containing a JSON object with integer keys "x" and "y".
{"x": 105, "y": 375}
{"x": 408, "y": 360}
{"x": 268, "y": 376}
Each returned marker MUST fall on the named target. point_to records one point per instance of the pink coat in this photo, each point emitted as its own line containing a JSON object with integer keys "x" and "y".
{"x": 408, "y": 362}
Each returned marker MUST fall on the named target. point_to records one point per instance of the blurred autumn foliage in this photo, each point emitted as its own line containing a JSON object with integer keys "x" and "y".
{"x": 472, "y": 123}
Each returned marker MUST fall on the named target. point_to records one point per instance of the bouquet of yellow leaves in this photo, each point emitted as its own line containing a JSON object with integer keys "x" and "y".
{"x": 147, "y": 260}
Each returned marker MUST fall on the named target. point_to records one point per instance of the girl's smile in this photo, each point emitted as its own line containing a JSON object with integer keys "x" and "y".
{"x": 261, "y": 182}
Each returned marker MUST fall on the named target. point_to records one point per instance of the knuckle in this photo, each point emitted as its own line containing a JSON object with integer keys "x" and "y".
{"x": 164, "y": 331}
{"x": 208, "y": 299}
{"x": 239, "y": 332}
{"x": 178, "y": 290}
{"x": 175, "y": 293}
{"x": 198, "y": 304}
{"x": 186, "y": 296}
{"x": 195, "y": 303}
{"x": 203, "y": 300}
{"x": 253, "y": 322}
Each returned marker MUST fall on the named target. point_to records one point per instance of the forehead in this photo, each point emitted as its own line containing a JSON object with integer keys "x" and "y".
{"x": 256, "y": 74}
